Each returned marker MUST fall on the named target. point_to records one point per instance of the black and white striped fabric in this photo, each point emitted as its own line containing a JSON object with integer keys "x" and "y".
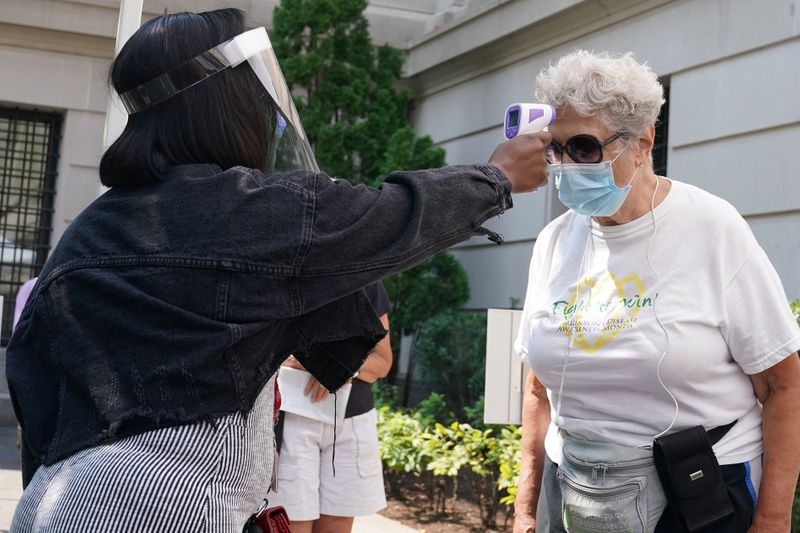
{"x": 193, "y": 478}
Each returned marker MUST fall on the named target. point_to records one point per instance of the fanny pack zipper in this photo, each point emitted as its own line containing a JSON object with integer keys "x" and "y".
{"x": 621, "y": 465}
{"x": 604, "y": 492}
{"x": 595, "y": 468}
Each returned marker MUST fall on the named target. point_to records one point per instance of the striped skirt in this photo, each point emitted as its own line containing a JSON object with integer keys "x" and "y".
{"x": 196, "y": 477}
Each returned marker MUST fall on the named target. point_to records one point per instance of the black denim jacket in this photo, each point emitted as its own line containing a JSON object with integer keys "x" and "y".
{"x": 177, "y": 301}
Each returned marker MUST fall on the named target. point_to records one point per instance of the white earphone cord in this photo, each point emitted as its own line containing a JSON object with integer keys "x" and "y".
{"x": 578, "y": 287}
{"x": 655, "y": 313}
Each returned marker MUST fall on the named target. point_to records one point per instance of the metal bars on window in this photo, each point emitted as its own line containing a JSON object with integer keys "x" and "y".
{"x": 29, "y": 142}
{"x": 660, "y": 144}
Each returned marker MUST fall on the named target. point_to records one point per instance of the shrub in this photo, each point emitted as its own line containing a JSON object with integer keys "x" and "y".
{"x": 386, "y": 394}
{"x": 795, "y": 305}
{"x": 403, "y": 442}
{"x": 438, "y": 456}
{"x": 418, "y": 294}
{"x": 473, "y": 414}
{"x": 354, "y": 112}
{"x": 451, "y": 351}
{"x": 509, "y": 459}
{"x": 433, "y": 409}
{"x": 474, "y": 453}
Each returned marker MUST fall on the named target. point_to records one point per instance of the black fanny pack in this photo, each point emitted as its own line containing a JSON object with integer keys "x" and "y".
{"x": 692, "y": 478}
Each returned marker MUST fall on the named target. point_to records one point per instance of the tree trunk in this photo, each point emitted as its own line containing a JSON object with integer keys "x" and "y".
{"x": 412, "y": 363}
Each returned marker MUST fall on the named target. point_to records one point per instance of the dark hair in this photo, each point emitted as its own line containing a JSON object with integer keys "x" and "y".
{"x": 216, "y": 121}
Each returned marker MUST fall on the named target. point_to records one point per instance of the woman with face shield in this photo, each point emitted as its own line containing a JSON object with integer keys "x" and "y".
{"x": 142, "y": 369}
{"x": 663, "y": 350}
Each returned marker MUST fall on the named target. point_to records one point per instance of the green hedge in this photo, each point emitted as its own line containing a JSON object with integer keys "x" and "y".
{"x": 438, "y": 456}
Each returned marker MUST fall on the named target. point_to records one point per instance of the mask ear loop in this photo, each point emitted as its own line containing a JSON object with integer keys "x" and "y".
{"x": 635, "y": 172}
{"x": 655, "y": 313}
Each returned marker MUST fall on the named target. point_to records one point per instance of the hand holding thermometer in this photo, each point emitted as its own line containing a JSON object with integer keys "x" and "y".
{"x": 523, "y": 158}
{"x": 527, "y": 118}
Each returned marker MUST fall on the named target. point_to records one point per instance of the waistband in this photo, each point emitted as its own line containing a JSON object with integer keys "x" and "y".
{"x": 604, "y": 452}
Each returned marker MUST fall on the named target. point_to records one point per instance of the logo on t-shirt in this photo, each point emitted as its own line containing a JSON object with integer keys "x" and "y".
{"x": 598, "y": 310}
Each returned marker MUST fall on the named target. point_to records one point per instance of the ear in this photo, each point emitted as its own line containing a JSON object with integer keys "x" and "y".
{"x": 646, "y": 142}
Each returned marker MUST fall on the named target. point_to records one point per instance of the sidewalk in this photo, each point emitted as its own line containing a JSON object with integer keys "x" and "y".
{"x": 379, "y": 524}
{"x": 10, "y": 477}
{"x": 11, "y": 490}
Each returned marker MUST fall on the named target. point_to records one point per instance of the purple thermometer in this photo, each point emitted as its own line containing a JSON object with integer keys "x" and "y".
{"x": 527, "y": 118}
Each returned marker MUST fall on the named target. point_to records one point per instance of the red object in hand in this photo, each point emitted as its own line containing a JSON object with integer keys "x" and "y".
{"x": 268, "y": 520}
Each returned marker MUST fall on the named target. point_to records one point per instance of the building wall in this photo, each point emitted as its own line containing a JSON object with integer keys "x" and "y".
{"x": 733, "y": 112}
{"x": 74, "y": 85}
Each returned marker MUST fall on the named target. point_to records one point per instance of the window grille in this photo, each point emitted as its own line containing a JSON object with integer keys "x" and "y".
{"x": 660, "y": 144}
{"x": 29, "y": 142}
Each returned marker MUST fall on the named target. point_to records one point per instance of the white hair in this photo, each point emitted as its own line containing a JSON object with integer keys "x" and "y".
{"x": 625, "y": 94}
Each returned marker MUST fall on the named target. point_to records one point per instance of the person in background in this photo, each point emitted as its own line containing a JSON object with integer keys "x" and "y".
{"x": 317, "y": 498}
{"x": 26, "y": 459}
{"x": 142, "y": 367}
{"x": 650, "y": 309}
{"x": 22, "y": 298}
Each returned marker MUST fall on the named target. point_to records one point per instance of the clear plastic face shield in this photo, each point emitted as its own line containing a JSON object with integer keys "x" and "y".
{"x": 290, "y": 147}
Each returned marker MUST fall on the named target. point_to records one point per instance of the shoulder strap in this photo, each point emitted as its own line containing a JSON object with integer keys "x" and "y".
{"x": 718, "y": 432}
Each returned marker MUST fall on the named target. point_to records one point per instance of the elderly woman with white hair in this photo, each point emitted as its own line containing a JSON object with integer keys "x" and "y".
{"x": 665, "y": 380}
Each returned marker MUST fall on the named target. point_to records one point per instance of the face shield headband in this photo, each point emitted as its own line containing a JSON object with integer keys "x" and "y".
{"x": 290, "y": 148}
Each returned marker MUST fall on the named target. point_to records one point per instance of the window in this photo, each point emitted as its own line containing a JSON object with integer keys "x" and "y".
{"x": 660, "y": 144}
{"x": 28, "y": 159}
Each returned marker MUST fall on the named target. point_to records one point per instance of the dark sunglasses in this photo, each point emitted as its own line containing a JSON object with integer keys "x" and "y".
{"x": 583, "y": 148}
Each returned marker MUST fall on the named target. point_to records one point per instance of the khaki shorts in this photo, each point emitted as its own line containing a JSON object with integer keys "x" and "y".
{"x": 307, "y": 486}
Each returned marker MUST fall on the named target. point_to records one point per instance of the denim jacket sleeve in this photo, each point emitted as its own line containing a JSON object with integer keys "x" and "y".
{"x": 360, "y": 235}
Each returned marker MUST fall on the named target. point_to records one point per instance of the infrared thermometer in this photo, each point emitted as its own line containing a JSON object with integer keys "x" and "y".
{"x": 527, "y": 118}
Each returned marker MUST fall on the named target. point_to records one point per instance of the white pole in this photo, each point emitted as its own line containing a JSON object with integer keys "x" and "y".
{"x": 130, "y": 18}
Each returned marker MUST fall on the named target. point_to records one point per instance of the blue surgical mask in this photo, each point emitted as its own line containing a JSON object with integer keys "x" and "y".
{"x": 589, "y": 189}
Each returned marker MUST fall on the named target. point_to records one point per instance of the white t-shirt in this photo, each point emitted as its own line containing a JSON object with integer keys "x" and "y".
{"x": 716, "y": 294}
